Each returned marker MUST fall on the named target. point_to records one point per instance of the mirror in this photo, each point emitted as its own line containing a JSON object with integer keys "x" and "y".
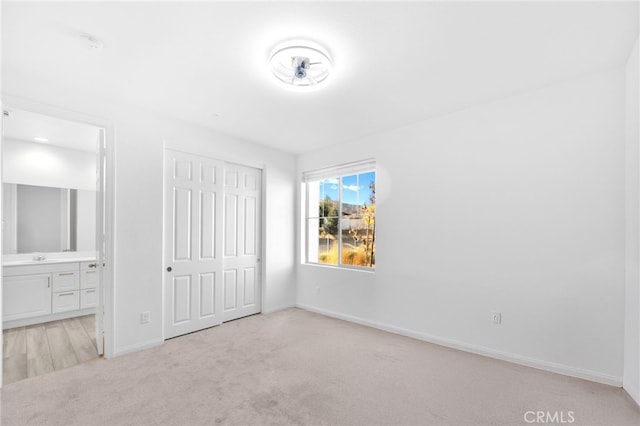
{"x": 47, "y": 219}
{"x": 49, "y": 184}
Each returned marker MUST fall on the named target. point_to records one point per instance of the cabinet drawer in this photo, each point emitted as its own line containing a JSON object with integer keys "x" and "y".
{"x": 26, "y": 296}
{"x": 65, "y": 301}
{"x": 88, "y": 298}
{"x": 65, "y": 281}
{"x": 89, "y": 279}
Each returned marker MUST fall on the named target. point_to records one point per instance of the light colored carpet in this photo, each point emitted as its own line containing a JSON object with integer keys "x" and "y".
{"x": 297, "y": 367}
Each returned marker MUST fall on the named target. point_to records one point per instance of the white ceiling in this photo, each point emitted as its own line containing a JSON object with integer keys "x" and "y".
{"x": 26, "y": 126}
{"x": 394, "y": 63}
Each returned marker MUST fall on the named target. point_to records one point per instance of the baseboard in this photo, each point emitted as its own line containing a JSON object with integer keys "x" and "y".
{"x": 479, "y": 350}
{"x": 138, "y": 347}
{"x": 634, "y": 393}
{"x": 276, "y": 309}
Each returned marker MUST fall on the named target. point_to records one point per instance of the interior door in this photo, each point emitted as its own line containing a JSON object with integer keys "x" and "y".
{"x": 193, "y": 225}
{"x": 241, "y": 241}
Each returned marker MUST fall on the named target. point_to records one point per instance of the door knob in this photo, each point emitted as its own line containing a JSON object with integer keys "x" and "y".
{"x": 169, "y": 269}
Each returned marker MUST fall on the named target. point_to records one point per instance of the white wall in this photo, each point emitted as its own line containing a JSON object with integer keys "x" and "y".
{"x": 138, "y": 144}
{"x": 31, "y": 163}
{"x": 515, "y": 206}
{"x": 632, "y": 300}
{"x": 86, "y": 221}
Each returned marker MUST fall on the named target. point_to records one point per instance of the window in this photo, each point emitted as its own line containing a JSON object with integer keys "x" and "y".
{"x": 341, "y": 215}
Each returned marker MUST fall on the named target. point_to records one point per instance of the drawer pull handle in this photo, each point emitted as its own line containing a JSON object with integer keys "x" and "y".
{"x": 66, "y": 294}
{"x": 66, "y": 273}
{"x": 93, "y": 265}
{"x": 90, "y": 291}
{"x": 48, "y": 282}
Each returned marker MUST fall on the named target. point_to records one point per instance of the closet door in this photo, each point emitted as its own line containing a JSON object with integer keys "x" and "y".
{"x": 212, "y": 242}
{"x": 241, "y": 241}
{"x": 193, "y": 243}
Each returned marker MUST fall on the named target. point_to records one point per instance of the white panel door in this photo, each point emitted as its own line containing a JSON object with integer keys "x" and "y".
{"x": 193, "y": 244}
{"x": 241, "y": 241}
{"x": 212, "y": 242}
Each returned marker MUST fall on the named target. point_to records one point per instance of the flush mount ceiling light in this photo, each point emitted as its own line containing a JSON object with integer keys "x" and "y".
{"x": 301, "y": 64}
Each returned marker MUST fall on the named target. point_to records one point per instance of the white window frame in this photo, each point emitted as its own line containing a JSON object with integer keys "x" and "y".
{"x": 338, "y": 171}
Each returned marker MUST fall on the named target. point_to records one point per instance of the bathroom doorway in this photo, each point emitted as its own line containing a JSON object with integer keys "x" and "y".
{"x": 53, "y": 242}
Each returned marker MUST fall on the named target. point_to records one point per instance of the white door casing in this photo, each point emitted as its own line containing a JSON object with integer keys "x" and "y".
{"x": 102, "y": 230}
{"x": 212, "y": 244}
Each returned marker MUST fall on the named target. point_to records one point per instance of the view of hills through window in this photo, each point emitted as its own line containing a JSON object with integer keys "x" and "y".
{"x": 343, "y": 232}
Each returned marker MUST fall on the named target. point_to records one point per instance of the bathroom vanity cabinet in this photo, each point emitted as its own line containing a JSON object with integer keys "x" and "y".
{"x": 41, "y": 292}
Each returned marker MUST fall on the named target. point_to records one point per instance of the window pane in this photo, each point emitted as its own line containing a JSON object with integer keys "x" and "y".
{"x": 358, "y": 220}
{"x": 322, "y": 198}
{"x": 328, "y": 197}
{"x": 329, "y": 189}
{"x": 323, "y": 240}
{"x": 357, "y": 190}
{"x": 358, "y": 238}
{"x": 367, "y": 190}
{"x": 350, "y": 190}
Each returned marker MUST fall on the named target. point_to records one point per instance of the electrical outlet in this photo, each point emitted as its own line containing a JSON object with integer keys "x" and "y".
{"x": 145, "y": 317}
{"x": 496, "y": 317}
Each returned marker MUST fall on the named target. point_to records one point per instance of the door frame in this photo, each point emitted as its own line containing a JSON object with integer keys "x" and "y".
{"x": 263, "y": 223}
{"x": 106, "y": 164}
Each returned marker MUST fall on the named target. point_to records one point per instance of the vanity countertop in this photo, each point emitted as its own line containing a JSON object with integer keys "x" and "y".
{"x": 47, "y": 258}
{"x": 46, "y": 261}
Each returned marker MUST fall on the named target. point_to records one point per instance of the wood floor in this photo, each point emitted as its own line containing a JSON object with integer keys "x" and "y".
{"x": 43, "y": 348}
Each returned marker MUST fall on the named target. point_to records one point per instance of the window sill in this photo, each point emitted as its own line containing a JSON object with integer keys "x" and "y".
{"x": 340, "y": 268}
